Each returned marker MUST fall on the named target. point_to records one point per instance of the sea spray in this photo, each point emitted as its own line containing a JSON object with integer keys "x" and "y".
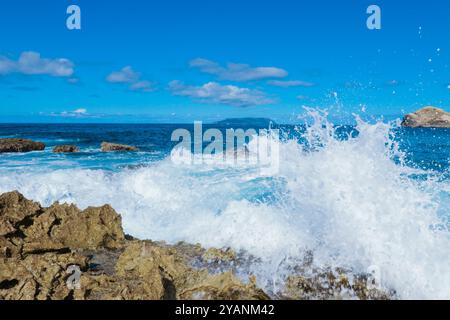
{"x": 350, "y": 202}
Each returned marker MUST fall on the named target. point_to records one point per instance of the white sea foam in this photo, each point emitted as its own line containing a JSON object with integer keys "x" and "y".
{"x": 347, "y": 201}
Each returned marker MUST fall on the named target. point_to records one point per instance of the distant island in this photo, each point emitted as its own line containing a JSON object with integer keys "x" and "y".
{"x": 428, "y": 117}
{"x": 246, "y": 122}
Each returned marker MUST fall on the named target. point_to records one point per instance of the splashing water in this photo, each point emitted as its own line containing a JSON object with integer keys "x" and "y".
{"x": 352, "y": 202}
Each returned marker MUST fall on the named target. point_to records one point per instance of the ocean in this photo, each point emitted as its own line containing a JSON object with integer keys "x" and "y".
{"x": 357, "y": 196}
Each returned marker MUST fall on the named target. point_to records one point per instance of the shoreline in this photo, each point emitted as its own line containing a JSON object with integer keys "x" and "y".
{"x": 41, "y": 248}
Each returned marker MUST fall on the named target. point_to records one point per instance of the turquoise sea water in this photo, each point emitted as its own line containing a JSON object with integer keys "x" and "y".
{"x": 357, "y": 196}
{"x": 426, "y": 148}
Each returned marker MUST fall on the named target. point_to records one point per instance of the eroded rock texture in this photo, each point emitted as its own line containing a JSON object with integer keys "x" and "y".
{"x": 61, "y": 252}
{"x": 108, "y": 147}
{"x": 20, "y": 145}
{"x": 38, "y": 245}
{"x": 65, "y": 149}
{"x": 428, "y": 117}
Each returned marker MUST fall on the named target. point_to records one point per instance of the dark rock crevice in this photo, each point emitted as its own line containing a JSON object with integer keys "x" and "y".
{"x": 8, "y": 284}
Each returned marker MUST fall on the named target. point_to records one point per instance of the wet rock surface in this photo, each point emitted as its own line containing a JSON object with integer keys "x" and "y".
{"x": 428, "y": 117}
{"x": 109, "y": 147}
{"x": 65, "y": 149}
{"x": 62, "y": 252}
{"x": 20, "y": 145}
{"x": 39, "y": 245}
{"x": 333, "y": 285}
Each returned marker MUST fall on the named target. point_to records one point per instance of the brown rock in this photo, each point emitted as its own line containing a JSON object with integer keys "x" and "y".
{"x": 166, "y": 274}
{"x": 20, "y": 145}
{"x": 107, "y": 147}
{"x": 65, "y": 149}
{"x": 39, "y": 245}
{"x": 428, "y": 117}
{"x": 38, "y": 277}
{"x": 223, "y": 286}
{"x": 153, "y": 266}
{"x": 214, "y": 254}
{"x": 65, "y": 226}
{"x": 11, "y": 247}
{"x": 333, "y": 284}
{"x": 15, "y": 211}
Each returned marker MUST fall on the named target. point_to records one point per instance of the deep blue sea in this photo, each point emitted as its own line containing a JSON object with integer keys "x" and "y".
{"x": 356, "y": 196}
{"x": 426, "y": 148}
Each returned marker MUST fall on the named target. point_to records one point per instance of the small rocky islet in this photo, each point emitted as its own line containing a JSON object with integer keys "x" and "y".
{"x": 108, "y": 147}
{"x": 20, "y": 145}
{"x": 39, "y": 246}
{"x": 65, "y": 149}
{"x": 428, "y": 117}
{"x": 15, "y": 145}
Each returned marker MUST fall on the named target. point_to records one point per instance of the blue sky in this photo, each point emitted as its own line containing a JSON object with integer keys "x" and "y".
{"x": 179, "y": 60}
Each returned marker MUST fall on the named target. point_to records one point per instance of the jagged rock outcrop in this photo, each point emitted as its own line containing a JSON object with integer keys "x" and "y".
{"x": 108, "y": 147}
{"x": 14, "y": 211}
{"x": 333, "y": 284}
{"x": 65, "y": 149}
{"x": 61, "y": 252}
{"x": 20, "y": 145}
{"x": 428, "y": 117}
{"x": 39, "y": 245}
{"x": 65, "y": 226}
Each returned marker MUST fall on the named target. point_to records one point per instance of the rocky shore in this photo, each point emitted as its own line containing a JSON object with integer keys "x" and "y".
{"x": 61, "y": 253}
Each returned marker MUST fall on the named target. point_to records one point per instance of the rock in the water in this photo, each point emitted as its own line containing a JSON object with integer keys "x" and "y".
{"x": 107, "y": 147}
{"x": 20, "y": 145}
{"x": 65, "y": 149}
{"x": 428, "y": 117}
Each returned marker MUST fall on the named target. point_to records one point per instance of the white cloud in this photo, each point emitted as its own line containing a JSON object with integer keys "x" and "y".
{"x": 144, "y": 85}
{"x": 125, "y": 75}
{"x": 80, "y": 111}
{"x": 290, "y": 83}
{"x": 213, "y": 92}
{"x": 77, "y": 113}
{"x": 31, "y": 63}
{"x": 128, "y": 76}
{"x": 237, "y": 71}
